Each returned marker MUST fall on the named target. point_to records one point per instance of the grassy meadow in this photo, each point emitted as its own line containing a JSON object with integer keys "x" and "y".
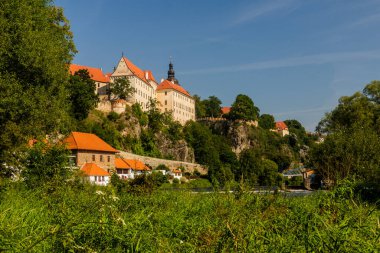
{"x": 84, "y": 218}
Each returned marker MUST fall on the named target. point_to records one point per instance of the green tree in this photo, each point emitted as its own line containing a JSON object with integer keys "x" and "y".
{"x": 200, "y": 109}
{"x": 212, "y": 107}
{"x": 36, "y": 47}
{"x": 250, "y": 167}
{"x": 244, "y": 109}
{"x": 352, "y": 111}
{"x": 121, "y": 88}
{"x": 82, "y": 94}
{"x": 46, "y": 163}
{"x": 372, "y": 91}
{"x": 347, "y": 153}
{"x": 352, "y": 145}
{"x": 266, "y": 121}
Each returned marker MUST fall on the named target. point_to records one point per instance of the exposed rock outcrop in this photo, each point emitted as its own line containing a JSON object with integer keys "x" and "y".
{"x": 177, "y": 150}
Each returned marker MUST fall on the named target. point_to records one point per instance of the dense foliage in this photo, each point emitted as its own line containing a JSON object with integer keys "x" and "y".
{"x": 120, "y": 88}
{"x": 82, "y": 94}
{"x": 210, "y": 107}
{"x": 243, "y": 109}
{"x": 83, "y": 218}
{"x": 35, "y": 48}
{"x": 351, "y": 148}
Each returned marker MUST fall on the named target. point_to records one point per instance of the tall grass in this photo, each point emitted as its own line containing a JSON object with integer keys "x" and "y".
{"x": 90, "y": 219}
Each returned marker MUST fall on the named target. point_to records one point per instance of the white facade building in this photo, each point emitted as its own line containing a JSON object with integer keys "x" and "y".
{"x": 142, "y": 81}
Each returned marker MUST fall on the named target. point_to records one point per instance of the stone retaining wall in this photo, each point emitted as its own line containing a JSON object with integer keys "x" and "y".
{"x": 154, "y": 162}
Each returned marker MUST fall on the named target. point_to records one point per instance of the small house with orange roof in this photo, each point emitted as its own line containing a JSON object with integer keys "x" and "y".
{"x": 172, "y": 97}
{"x": 95, "y": 174}
{"x": 282, "y": 128}
{"x": 176, "y": 173}
{"x": 142, "y": 81}
{"x": 129, "y": 168}
{"x": 89, "y": 148}
{"x": 96, "y": 74}
{"x": 226, "y": 110}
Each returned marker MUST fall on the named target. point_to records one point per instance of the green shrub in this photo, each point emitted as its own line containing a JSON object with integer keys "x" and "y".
{"x": 113, "y": 116}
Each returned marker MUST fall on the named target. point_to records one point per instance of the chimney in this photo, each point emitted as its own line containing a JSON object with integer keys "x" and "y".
{"x": 146, "y": 75}
{"x": 162, "y": 79}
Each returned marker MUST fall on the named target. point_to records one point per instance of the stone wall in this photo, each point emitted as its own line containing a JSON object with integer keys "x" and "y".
{"x": 86, "y": 157}
{"x": 154, "y": 162}
{"x": 104, "y": 106}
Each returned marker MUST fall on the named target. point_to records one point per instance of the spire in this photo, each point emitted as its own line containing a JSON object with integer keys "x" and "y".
{"x": 171, "y": 73}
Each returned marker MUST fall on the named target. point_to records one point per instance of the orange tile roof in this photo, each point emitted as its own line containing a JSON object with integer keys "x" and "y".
{"x": 135, "y": 70}
{"x": 280, "y": 125}
{"x": 121, "y": 164}
{"x": 96, "y": 74}
{"x": 167, "y": 85}
{"x": 150, "y": 75}
{"x": 177, "y": 171}
{"x": 136, "y": 164}
{"x": 226, "y": 110}
{"x": 91, "y": 169}
{"x": 87, "y": 141}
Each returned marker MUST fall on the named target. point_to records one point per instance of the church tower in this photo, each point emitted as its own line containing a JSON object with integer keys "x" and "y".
{"x": 171, "y": 74}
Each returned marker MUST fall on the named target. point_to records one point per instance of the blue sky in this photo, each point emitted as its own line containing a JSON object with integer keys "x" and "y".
{"x": 294, "y": 58}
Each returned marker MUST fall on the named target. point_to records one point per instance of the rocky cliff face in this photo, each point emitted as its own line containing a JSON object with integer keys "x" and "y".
{"x": 237, "y": 132}
{"x": 178, "y": 150}
{"x": 239, "y": 136}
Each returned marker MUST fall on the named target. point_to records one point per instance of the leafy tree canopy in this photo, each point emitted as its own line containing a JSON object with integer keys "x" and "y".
{"x": 266, "y": 121}
{"x": 362, "y": 109}
{"x": 121, "y": 88}
{"x": 36, "y": 47}
{"x": 352, "y": 145}
{"x": 244, "y": 109}
{"x": 212, "y": 107}
{"x": 200, "y": 109}
{"x": 82, "y": 94}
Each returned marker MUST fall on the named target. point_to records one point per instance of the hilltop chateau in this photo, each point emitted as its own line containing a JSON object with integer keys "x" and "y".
{"x": 170, "y": 95}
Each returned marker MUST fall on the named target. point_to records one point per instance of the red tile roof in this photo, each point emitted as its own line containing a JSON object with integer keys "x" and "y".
{"x": 136, "y": 164}
{"x": 91, "y": 169}
{"x": 149, "y": 75}
{"x": 86, "y": 141}
{"x": 280, "y": 125}
{"x": 135, "y": 70}
{"x": 95, "y": 73}
{"x": 121, "y": 164}
{"x": 226, "y": 110}
{"x": 167, "y": 85}
{"x": 108, "y": 75}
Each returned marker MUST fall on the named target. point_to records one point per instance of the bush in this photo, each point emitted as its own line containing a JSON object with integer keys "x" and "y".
{"x": 176, "y": 181}
{"x": 113, "y": 116}
{"x": 46, "y": 163}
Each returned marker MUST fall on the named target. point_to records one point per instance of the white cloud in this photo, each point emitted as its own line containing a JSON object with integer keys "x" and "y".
{"x": 367, "y": 20}
{"x": 255, "y": 11}
{"x": 304, "y": 111}
{"x": 293, "y": 61}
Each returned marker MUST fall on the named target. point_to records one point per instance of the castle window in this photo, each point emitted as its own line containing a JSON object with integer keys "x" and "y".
{"x": 109, "y": 158}
{"x": 93, "y": 158}
{"x": 101, "y": 158}
{"x": 166, "y": 102}
{"x": 166, "y": 93}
